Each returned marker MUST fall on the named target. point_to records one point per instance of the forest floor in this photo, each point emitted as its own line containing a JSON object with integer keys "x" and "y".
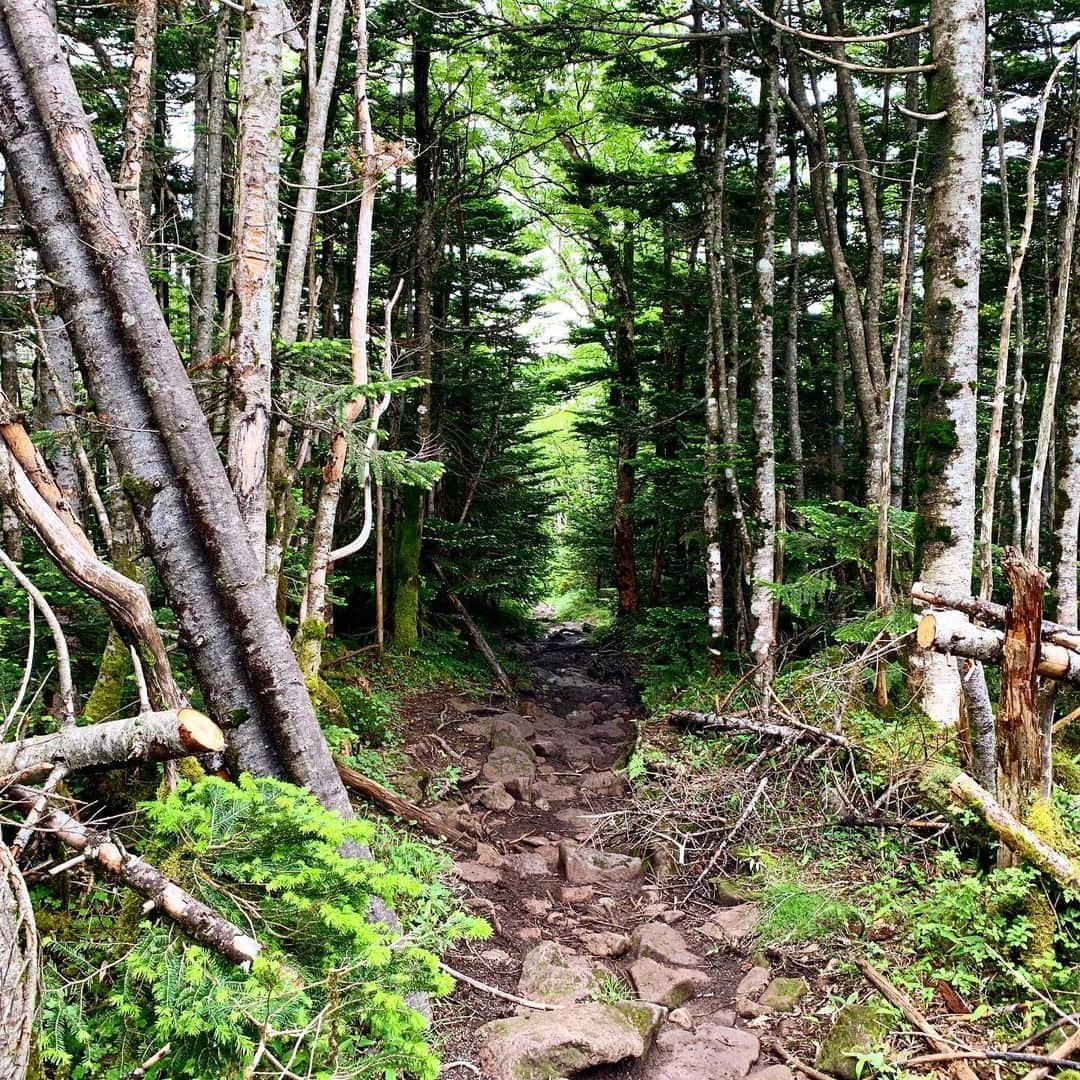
{"x": 578, "y": 928}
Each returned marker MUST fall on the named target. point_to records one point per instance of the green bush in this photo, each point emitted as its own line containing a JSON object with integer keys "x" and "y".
{"x": 329, "y": 992}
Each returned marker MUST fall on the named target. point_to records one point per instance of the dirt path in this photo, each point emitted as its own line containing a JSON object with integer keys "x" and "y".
{"x": 638, "y": 988}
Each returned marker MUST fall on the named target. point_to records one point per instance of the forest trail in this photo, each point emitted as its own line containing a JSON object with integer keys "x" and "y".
{"x": 640, "y": 987}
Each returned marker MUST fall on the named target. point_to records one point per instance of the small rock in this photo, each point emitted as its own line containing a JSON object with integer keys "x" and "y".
{"x": 555, "y": 976}
{"x": 550, "y": 854}
{"x": 536, "y": 905}
{"x": 508, "y": 763}
{"x": 479, "y": 729}
{"x": 772, "y": 1072}
{"x": 487, "y": 855}
{"x": 496, "y": 797}
{"x": 605, "y": 943}
{"x": 682, "y": 1018}
{"x": 729, "y": 891}
{"x": 550, "y": 1044}
{"x": 667, "y": 986}
{"x": 546, "y": 746}
{"x": 576, "y": 894}
{"x": 658, "y": 941}
{"x": 733, "y": 925}
{"x": 672, "y": 917}
{"x": 496, "y": 956}
{"x": 580, "y": 716}
{"x": 589, "y": 866}
{"x": 605, "y": 783}
{"x": 856, "y": 1029}
{"x": 554, "y": 793}
{"x": 530, "y": 864}
{"x": 476, "y": 874}
{"x": 783, "y": 995}
{"x": 654, "y": 910}
{"x": 751, "y": 987}
{"x": 530, "y": 933}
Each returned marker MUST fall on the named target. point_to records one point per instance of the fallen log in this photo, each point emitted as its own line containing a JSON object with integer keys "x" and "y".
{"x": 989, "y": 612}
{"x": 390, "y": 801}
{"x": 794, "y": 730}
{"x": 192, "y": 916}
{"x": 951, "y": 631}
{"x": 150, "y": 736}
{"x": 1014, "y": 833}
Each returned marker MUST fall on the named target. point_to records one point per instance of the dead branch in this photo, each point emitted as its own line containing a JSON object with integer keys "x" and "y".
{"x": 1065, "y": 1051}
{"x": 895, "y": 996}
{"x": 192, "y": 916}
{"x": 794, "y": 730}
{"x": 150, "y": 736}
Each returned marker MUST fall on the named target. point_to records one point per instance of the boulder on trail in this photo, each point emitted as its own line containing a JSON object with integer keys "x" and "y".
{"x": 667, "y": 986}
{"x": 856, "y": 1029}
{"x": 477, "y": 874}
{"x": 713, "y": 1051}
{"x": 496, "y": 797}
{"x": 605, "y": 943}
{"x": 732, "y": 926}
{"x": 512, "y": 731}
{"x": 556, "y": 976}
{"x": 750, "y": 988}
{"x": 658, "y": 941}
{"x": 783, "y": 995}
{"x": 590, "y": 866}
{"x": 546, "y": 1045}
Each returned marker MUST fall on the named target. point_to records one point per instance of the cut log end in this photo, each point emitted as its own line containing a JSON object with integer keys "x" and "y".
{"x": 199, "y": 733}
{"x": 926, "y": 633}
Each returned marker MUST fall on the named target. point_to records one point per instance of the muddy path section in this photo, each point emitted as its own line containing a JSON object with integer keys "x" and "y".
{"x": 617, "y": 981}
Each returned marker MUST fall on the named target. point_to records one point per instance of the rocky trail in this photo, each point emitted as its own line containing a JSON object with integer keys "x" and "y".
{"x": 590, "y": 971}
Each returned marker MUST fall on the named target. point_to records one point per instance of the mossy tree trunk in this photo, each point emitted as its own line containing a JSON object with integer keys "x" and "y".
{"x": 948, "y": 443}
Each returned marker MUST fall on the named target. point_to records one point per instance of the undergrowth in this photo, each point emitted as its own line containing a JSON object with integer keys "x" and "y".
{"x": 332, "y": 993}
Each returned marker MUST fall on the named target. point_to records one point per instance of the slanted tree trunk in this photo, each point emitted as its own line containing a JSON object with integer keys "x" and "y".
{"x": 948, "y": 440}
{"x": 170, "y": 466}
{"x": 320, "y": 82}
{"x": 763, "y": 565}
{"x": 58, "y": 362}
{"x": 254, "y": 253}
{"x": 1019, "y": 743}
{"x": 137, "y": 113}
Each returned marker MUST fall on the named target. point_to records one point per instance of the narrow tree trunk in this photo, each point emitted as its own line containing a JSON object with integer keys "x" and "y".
{"x": 58, "y": 361}
{"x": 1054, "y": 347}
{"x": 763, "y": 566}
{"x": 791, "y": 331}
{"x": 951, "y": 338}
{"x": 254, "y": 253}
{"x": 209, "y": 231}
{"x": 1068, "y": 490}
{"x": 137, "y": 113}
{"x": 320, "y": 82}
{"x": 18, "y": 970}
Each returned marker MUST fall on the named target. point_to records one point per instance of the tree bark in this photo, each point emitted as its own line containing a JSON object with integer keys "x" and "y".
{"x": 137, "y": 112}
{"x": 1068, "y": 490}
{"x": 320, "y": 82}
{"x": 791, "y": 331}
{"x": 763, "y": 564}
{"x": 210, "y": 572}
{"x": 254, "y": 252}
{"x": 1019, "y": 740}
{"x": 193, "y": 917}
{"x": 18, "y": 970}
{"x": 150, "y": 736}
{"x": 982, "y": 724}
{"x": 947, "y": 454}
{"x": 209, "y": 231}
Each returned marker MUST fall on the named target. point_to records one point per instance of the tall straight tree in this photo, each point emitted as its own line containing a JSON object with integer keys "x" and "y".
{"x": 948, "y": 442}
{"x": 254, "y": 253}
{"x": 762, "y": 601}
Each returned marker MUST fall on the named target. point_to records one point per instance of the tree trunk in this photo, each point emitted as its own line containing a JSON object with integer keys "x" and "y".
{"x": 18, "y": 970}
{"x": 981, "y": 724}
{"x": 763, "y": 565}
{"x": 209, "y": 225}
{"x": 320, "y": 82}
{"x": 1068, "y": 490}
{"x": 1054, "y": 347}
{"x": 137, "y": 112}
{"x": 57, "y": 363}
{"x": 791, "y": 331}
{"x": 254, "y": 253}
{"x": 190, "y": 521}
{"x": 1019, "y": 742}
{"x": 948, "y": 443}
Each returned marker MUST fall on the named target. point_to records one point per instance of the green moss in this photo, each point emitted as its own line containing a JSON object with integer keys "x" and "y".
{"x": 1044, "y": 821}
{"x": 1066, "y": 772}
{"x": 406, "y": 615}
{"x": 1039, "y": 952}
{"x": 139, "y": 492}
{"x": 107, "y": 697}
